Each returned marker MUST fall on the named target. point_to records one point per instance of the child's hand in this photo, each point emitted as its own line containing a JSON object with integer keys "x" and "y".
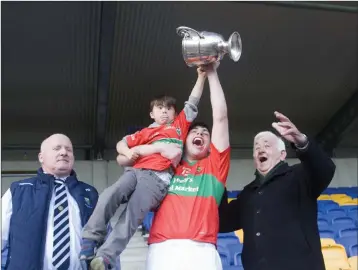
{"x": 201, "y": 71}
{"x": 172, "y": 152}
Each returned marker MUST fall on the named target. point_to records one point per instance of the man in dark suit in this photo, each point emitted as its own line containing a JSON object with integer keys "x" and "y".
{"x": 278, "y": 210}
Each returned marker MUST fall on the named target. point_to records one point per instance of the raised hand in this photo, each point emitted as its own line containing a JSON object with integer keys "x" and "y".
{"x": 288, "y": 130}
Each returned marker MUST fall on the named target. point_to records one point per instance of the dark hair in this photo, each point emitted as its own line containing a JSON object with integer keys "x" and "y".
{"x": 199, "y": 124}
{"x": 163, "y": 100}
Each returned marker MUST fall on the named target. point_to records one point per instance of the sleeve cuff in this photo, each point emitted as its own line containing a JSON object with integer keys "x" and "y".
{"x": 302, "y": 147}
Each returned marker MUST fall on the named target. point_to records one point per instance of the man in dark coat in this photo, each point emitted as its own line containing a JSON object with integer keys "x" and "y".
{"x": 278, "y": 210}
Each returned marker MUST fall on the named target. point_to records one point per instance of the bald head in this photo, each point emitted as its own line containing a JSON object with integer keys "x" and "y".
{"x": 56, "y": 155}
{"x": 53, "y": 138}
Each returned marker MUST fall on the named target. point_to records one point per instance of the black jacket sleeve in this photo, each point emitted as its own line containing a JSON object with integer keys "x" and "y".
{"x": 318, "y": 166}
{"x": 229, "y": 214}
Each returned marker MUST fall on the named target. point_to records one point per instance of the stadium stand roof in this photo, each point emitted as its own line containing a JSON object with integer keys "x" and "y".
{"x": 89, "y": 69}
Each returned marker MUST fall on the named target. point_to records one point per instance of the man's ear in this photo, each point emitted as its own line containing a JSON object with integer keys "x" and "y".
{"x": 40, "y": 158}
{"x": 283, "y": 155}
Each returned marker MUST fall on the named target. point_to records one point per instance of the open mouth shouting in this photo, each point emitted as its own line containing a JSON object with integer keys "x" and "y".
{"x": 198, "y": 142}
{"x": 262, "y": 159}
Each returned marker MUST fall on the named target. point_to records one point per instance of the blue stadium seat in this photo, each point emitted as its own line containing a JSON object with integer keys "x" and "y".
{"x": 237, "y": 259}
{"x": 232, "y": 194}
{"x": 147, "y": 222}
{"x": 329, "y": 191}
{"x": 233, "y": 250}
{"x": 225, "y": 257}
{"x": 349, "y": 232}
{"x": 226, "y": 235}
{"x": 322, "y": 222}
{"x": 353, "y": 251}
{"x": 327, "y": 234}
{"x": 228, "y": 241}
{"x": 327, "y": 207}
{"x": 338, "y": 212}
{"x": 349, "y": 208}
{"x": 233, "y": 267}
{"x": 348, "y": 242}
{"x": 343, "y": 221}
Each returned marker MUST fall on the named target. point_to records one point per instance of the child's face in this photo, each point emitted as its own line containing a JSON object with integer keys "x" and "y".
{"x": 163, "y": 114}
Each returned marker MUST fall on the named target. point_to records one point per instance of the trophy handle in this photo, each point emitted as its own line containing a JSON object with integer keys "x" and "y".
{"x": 184, "y": 31}
{"x": 234, "y": 46}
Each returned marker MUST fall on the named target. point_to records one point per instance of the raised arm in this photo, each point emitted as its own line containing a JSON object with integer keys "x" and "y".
{"x": 220, "y": 132}
{"x": 190, "y": 111}
{"x": 318, "y": 165}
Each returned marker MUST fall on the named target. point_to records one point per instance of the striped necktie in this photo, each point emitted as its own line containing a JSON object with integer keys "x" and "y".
{"x": 61, "y": 232}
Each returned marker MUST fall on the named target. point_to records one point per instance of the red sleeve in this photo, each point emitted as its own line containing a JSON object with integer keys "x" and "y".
{"x": 138, "y": 138}
{"x": 220, "y": 161}
{"x": 181, "y": 122}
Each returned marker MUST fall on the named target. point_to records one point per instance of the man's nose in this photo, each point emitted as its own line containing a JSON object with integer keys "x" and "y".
{"x": 63, "y": 152}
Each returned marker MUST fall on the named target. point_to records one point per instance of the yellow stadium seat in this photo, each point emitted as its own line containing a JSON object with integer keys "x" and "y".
{"x": 240, "y": 235}
{"x": 335, "y": 256}
{"x": 353, "y": 262}
{"x": 347, "y": 203}
{"x": 332, "y": 267}
{"x": 336, "y": 196}
{"x": 341, "y": 199}
{"x": 327, "y": 242}
{"x": 324, "y": 197}
{"x": 344, "y": 200}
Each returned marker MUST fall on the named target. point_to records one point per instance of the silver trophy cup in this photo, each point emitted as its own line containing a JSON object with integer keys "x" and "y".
{"x": 202, "y": 48}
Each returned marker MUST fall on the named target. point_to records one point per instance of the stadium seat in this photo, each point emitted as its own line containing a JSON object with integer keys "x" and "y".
{"x": 337, "y": 212}
{"x": 349, "y": 208}
{"x": 322, "y": 222}
{"x": 327, "y": 241}
{"x": 337, "y": 196}
{"x": 330, "y": 206}
{"x": 350, "y": 232}
{"x": 353, "y": 250}
{"x": 226, "y": 235}
{"x": 233, "y": 267}
{"x": 147, "y": 222}
{"x": 240, "y": 234}
{"x": 225, "y": 257}
{"x": 234, "y": 249}
{"x": 324, "y": 197}
{"x": 335, "y": 256}
{"x": 353, "y": 262}
{"x": 327, "y": 234}
{"x": 348, "y": 242}
{"x": 343, "y": 220}
{"x": 237, "y": 259}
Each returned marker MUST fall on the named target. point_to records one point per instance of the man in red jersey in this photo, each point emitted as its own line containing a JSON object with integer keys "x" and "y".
{"x": 185, "y": 227}
{"x": 146, "y": 182}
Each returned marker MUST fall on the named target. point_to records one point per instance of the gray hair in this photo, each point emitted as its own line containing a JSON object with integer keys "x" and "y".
{"x": 280, "y": 143}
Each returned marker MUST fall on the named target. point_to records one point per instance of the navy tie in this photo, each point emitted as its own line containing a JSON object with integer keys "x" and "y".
{"x": 61, "y": 232}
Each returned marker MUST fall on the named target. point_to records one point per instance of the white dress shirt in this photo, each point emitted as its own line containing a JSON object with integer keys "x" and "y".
{"x": 74, "y": 223}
